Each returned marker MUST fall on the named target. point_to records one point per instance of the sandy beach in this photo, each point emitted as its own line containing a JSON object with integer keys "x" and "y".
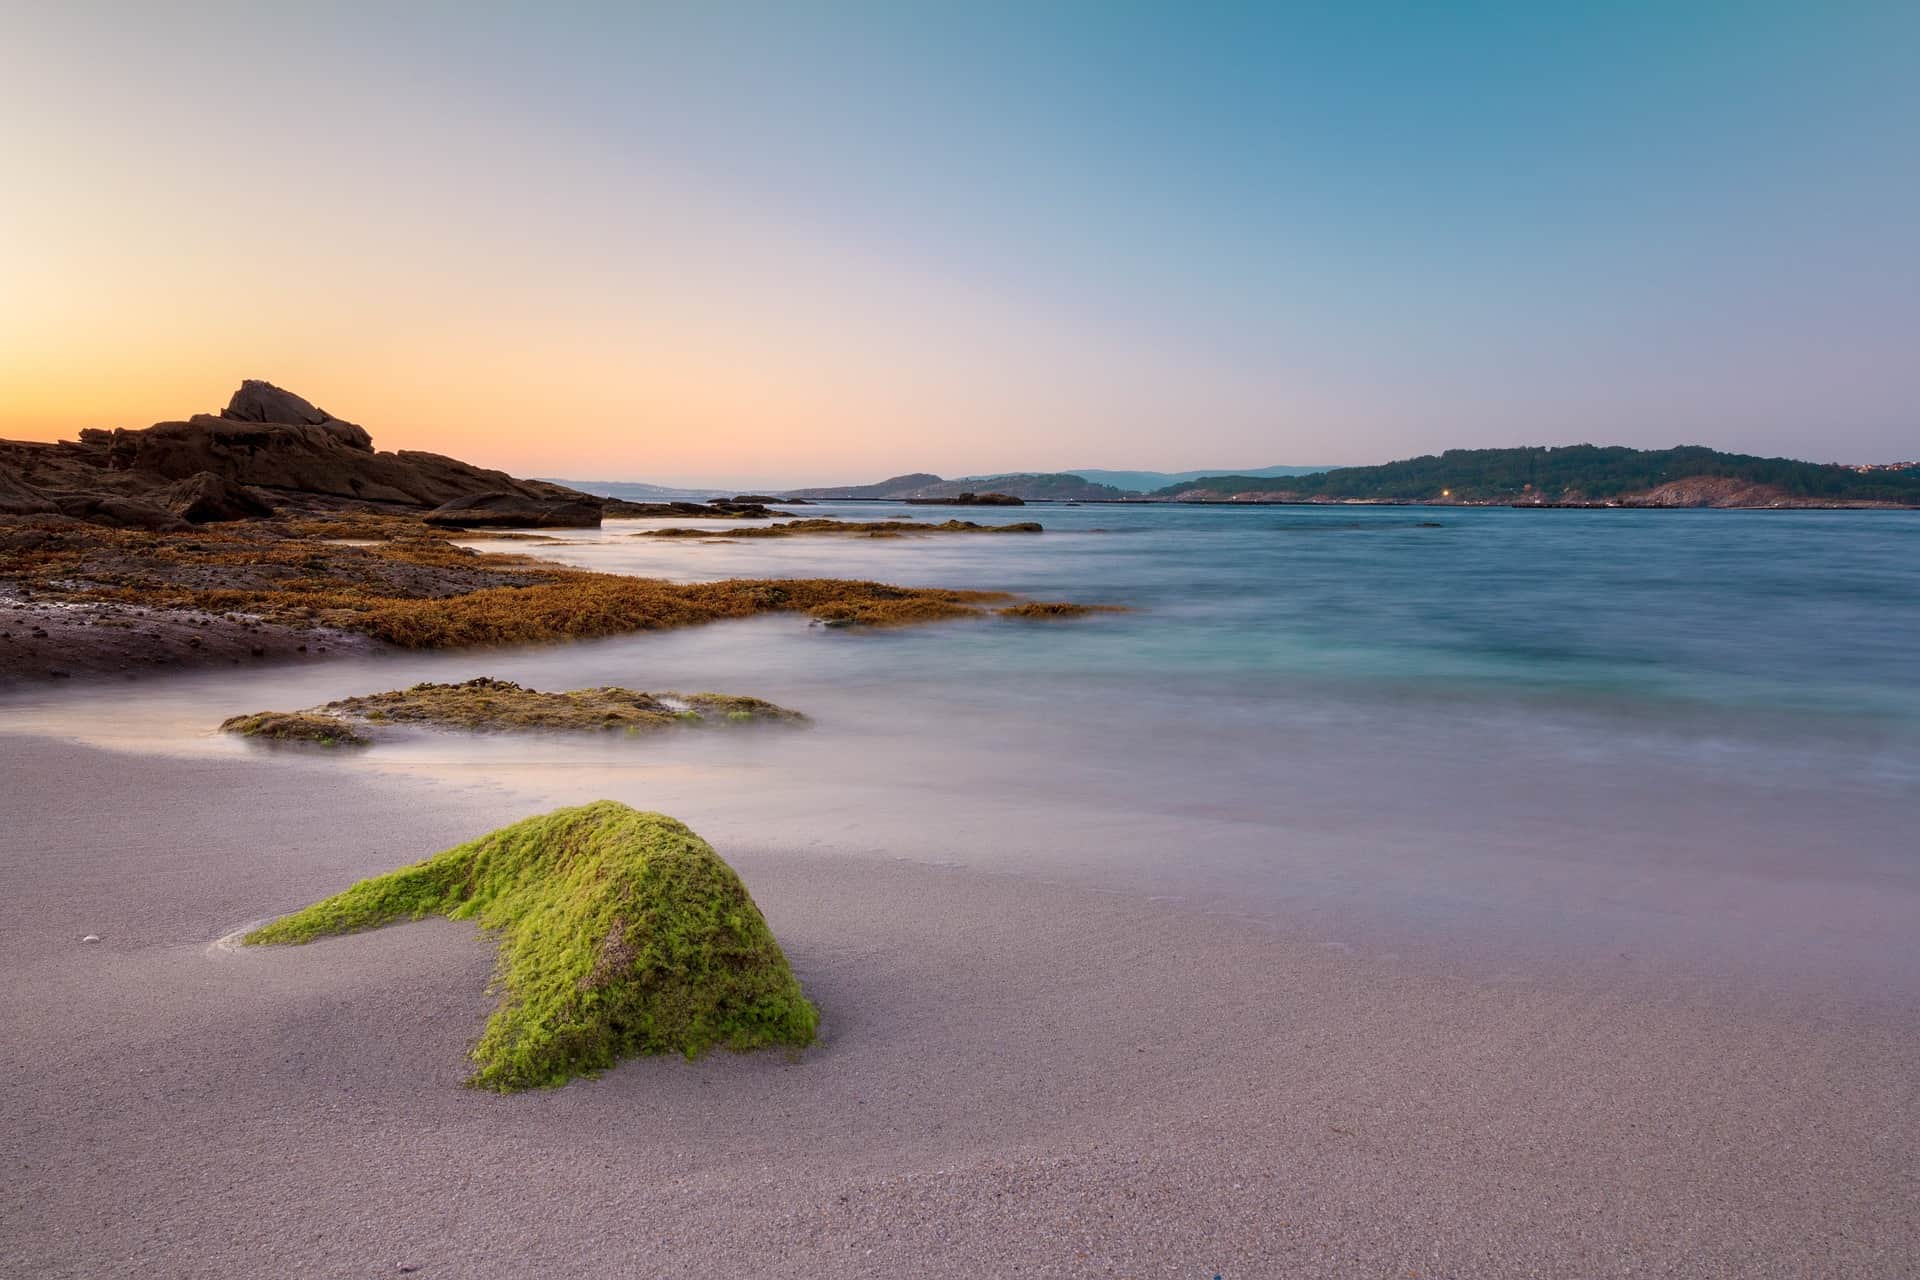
{"x": 1014, "y": 1077}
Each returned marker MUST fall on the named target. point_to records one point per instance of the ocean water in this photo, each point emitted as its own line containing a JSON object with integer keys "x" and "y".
{"x": 1609, "y": 741}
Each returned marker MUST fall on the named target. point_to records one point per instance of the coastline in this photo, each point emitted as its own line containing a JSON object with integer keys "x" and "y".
{"x": 1014, "y": 1075}
{"x": 77, "y": 599}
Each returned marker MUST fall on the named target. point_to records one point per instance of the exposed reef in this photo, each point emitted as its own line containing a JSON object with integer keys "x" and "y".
{"x": 847, "y": 528}
{"x": 76, "y": 598}
{"x": 755, "y": 509}
{"x": 621, "y": 933}
{"x": 488, "y": 705}
{"x": 968, "y": 498}
{"x": 274, "y": 531}
{"x": 1055, "y": 611}
{"x": 295, "y": 726}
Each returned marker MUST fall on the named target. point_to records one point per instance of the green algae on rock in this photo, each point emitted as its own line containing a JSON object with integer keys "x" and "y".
{"x": 295, "y": 726}
{"x": 484, "y": 704}
{"x": 621, "y": 933}
{"x": 487, "y": 704}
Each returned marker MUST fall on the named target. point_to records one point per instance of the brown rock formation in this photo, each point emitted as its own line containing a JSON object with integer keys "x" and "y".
{"x": 204, "y": 497}
{"x": 514, "y": 510}
{"x": 268, "y": 447}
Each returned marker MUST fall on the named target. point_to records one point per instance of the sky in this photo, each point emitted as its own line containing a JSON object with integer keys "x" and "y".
{"x": 793, "y": 242}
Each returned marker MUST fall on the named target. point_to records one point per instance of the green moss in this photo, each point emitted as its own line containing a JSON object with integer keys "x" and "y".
{"x": 621, "y": 933}
{"x": 295, "y": 726}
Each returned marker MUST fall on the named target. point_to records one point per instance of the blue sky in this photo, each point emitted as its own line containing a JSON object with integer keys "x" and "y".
{"x": 781, "y": 241}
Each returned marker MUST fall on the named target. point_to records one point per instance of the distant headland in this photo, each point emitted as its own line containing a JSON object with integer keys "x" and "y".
{"x": 1581, "y": 475}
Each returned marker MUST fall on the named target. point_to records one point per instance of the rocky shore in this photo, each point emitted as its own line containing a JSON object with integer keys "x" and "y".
{"x": 274, "y": 531}
{"x": 271, "y": 450}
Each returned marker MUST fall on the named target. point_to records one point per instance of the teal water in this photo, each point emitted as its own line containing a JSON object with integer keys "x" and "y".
{"x": 1556, "y": 737}
{"x": 1703, "y": 621}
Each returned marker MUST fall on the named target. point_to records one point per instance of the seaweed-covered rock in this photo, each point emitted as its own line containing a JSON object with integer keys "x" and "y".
{"x": 295, "y": 726}
{"x": 621, "y": 933}
{"x": 484, "y": 703}
{"x": 1054, "y": 611}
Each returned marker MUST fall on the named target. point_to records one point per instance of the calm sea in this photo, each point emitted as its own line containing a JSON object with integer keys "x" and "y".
{"x": 1648, "y": 737}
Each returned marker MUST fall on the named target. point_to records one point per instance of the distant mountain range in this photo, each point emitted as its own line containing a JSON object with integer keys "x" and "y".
{"x": 1034, "y": 487}
{"x": 1088, "y": 484}
{"x": 634, "y": 491}
{"x": 1689, "y": 476}
{"x": 1148, "y": 481}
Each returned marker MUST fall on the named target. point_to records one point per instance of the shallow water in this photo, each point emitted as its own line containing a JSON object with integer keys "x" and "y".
{"x": 1551, "y": 735}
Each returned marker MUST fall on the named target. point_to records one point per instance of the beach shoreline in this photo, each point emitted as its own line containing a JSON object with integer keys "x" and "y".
{"x": 1014, "y": 1075}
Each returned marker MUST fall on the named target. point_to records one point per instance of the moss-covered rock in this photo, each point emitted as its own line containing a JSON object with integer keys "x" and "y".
{"x": 621, "y": 933}
{"x": 487, "y": 705}
{"x": 295, "y": 726}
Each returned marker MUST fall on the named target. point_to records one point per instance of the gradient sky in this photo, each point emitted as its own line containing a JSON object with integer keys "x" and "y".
{"x": 793, "y": 242}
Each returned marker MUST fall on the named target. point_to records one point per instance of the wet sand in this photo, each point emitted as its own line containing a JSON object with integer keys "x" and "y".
{"x": 43, "y": 640}
{"x": 1015, "y": 1077}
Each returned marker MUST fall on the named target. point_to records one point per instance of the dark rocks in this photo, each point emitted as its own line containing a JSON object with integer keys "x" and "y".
{"x": 204, "y": 498}
{"x": 18, "y": 498}
{"x": 266, "y": 439}
{"x": 970, "y": 499}
{"x": 619, "y": 508}
{"x": 258, "y": 401}
{"x": 504, "y": 510}
{"x": 118, "y": 512}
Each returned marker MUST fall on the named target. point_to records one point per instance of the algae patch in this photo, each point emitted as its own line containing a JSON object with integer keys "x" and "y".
{"x": 621, "y": 933}
{"x": 295, "y": 726}
{"x": 1050, "y": 611}
{"x": 488, "y": 705}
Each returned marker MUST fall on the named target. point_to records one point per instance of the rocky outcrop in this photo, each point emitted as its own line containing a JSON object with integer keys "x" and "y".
{"x": 204, "y": 498}
{"x": 1710, "y": 491}
{"x": 18, "y": 498}
{"x": 258, "y": 401}
{"x": 616, "y": 508}
{"x": 267, "y": 448}
{"x": 514, "y": 510}
{"x": 968, "y": 498}
{"x": 119, "y": 512}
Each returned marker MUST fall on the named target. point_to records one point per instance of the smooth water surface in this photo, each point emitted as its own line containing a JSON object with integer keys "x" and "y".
{"x": 1583, "y": 734}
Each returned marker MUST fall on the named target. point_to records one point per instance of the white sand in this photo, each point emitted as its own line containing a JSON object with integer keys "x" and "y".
{"x": 1016, "y": 1078}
